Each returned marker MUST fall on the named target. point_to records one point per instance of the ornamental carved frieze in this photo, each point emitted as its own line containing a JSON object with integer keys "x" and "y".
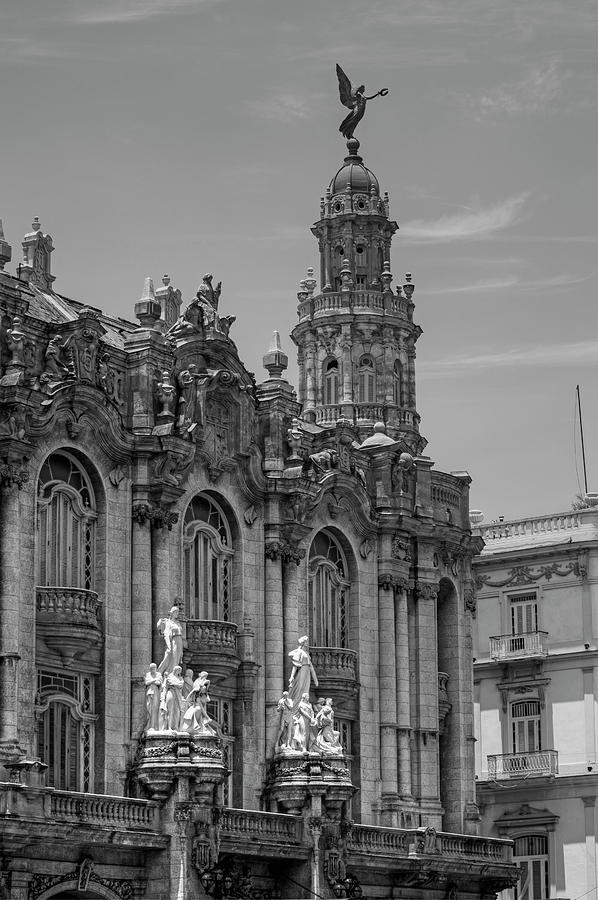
{"x": 401, "y": 548}
{"x": 524, "y": 575}
{"x": 82, "y": 875}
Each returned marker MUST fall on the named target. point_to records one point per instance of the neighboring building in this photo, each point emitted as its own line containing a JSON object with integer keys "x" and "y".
{"x": 142, "y": 467}
{"x": 536, "y": 689}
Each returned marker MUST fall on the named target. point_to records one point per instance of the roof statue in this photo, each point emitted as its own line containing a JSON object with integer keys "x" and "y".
{"x": 355, "y": 100}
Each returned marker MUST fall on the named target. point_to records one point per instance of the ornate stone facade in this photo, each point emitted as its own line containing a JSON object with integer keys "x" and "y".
{"x": 147, "y": 477}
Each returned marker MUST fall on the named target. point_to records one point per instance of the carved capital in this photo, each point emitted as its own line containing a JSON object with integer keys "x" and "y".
{"x": 158, "y": 515}
{"x": 425, "y": 591}
{"x": 290, "y": 552}
{"x": 273, "y": 550}
{"x": 12, "y": 474}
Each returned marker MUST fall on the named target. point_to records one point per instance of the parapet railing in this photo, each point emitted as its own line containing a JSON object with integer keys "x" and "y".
{"x": 559, "y": 522}
{"x": 374, "y": 301}
{"x": 523, "y": 765}
{"x": 245, "y": 823}
{"x": 518, "y": 646}
{"x": 422, "y": 841}
{"x": 98, "y": 809}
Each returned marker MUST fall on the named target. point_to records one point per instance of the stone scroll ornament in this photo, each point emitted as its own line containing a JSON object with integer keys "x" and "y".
{"x": 355, "y": 100}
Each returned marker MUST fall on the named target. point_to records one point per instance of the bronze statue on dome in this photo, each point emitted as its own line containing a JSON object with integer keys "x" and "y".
{"x": 355, "y": 100}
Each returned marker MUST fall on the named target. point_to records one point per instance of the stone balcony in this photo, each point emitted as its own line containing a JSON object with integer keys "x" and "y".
{"x": 336, "y": 668}
{"x": 50, "y": 815}
{"x": 380, "y": 857}
{"x": 335, "y": 302}
{"x": 212, "y": 645}
{"x": 68, "y": 621}
{"x": 529, "y": 645}
{"x": 523, "y": 765}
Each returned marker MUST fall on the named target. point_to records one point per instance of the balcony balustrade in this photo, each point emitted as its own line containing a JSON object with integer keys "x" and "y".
{"x": 212, "y": 645}
{"x": 374, "y": 841}
{"x": 523, "y": 765}
{"x": 349, "y": 301}
{"x": 530, "y": 644}
{"x": 336, "y": 668}
{"x": 68, "y": 621}
{"x": 261, "y": 826}
{"x": 98, "y": 809}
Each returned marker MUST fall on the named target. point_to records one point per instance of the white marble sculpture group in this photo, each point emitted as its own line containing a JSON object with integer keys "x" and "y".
{"x": 303, "y": 728}
{"x": 175, "y": 702}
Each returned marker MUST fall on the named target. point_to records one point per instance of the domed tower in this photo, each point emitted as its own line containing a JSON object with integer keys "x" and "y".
{"x": 356, "y": 336}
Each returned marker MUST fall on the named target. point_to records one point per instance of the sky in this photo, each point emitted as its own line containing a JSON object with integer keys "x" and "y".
{"x": 186, "y": 136}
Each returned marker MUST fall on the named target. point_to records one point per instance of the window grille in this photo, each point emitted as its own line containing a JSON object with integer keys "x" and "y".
{"x": 65, "y": 729}
{"x": 328, "y": 593}
{"x": 207, "y": 560}
{"x": 66, "y": 524}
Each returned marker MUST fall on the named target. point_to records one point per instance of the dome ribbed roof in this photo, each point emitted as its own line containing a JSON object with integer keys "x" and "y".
{"x": 354, "y": 174}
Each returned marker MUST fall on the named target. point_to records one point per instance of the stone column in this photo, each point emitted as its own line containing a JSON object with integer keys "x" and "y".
{"x": 411, "y": 379}
{"x": 9, "y": 607}
{"x": 291, "y": 601}
{"x": 310, "y": 375}
{"x": 427, "y": 692}
{"x": 387, "y": 686}
{"x": 403, "y": 690}
{"x": 142, "y": 623}
{"x": 274, "y": 642}
{"x": 589, "y": 804}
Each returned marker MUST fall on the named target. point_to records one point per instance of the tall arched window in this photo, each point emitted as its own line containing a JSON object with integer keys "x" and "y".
{"x": 66, "y": 524}
{"x": 331, "y": 382}
{"x": 207, "y": 555}
{"x": 531, "y": 853}
{"x": 65, "y": 724}
{"x": 328, "y": 593}
{"x": 367, "y": 380}
{"x": 397, "y": 383}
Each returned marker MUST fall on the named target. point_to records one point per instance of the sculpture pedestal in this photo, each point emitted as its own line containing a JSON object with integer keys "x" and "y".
{"x": 295, "y": 779}
{"x": 168, "y": 755}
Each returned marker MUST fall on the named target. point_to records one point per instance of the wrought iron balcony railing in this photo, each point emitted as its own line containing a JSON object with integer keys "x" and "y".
{"x": 517, "y": 646}
{"x": 534, "y": 764}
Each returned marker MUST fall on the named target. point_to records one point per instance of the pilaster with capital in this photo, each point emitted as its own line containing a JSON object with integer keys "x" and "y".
{"x": 425, "y": 711}
{"x": 274, "y": 637}
{"x": 13, "y": 475}
{"x": 402, "y": 657}
{"x": 387, "y": 687}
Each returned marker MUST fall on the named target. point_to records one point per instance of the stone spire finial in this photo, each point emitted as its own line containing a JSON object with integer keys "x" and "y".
{"x": 310, "y": 281}
{"x": 408, "y": 288}
{"x": 275, "y": 361}
{"x": 5, "y": 249}
{"x": 37, "y": 248}
{"x": 147, "y": 309}
{"x": 170, "y": 302}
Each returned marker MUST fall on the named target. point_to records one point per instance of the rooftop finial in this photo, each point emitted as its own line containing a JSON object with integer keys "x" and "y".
{"x": 5, "y": 249}
{"x": 275, "y": 361}
{"x": 355, "y": 100}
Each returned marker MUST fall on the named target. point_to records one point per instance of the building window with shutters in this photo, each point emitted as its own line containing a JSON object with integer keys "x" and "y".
{"x": 523, "y": 619}
{"x": 66, "y": 524}
{"x": 65, "y": 728}
{"x": 367, "y": 380}
{"x": 207, "y": 561}
{"x": 531, "y": 854}
{"x": 331, "y": 382}
{"x": 328, "y": 593}
{"x": 526, "y": 726}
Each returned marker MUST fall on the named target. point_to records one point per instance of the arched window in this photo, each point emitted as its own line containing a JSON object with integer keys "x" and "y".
{"x": 328, "y": 593}
{"x": 531, "y": 853}
{"x": 65, "y": 725}
{"x": 331, "y": 382}
{"x": 66, "y": 524}
{"x": 207, "y": 555}
{"x": 367, "y": 380}
{"x": 397, "y": 383}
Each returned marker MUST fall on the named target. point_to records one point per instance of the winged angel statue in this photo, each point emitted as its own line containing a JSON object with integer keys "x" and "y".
{"x": 355, "y": 100}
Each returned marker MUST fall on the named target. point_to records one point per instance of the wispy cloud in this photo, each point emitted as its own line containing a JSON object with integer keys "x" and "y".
{"x": 508, "y": 281}
{"x": 536, "y": 92}
{"x": 121, "y": 11}
{"x": 282, "y": 108}
{"x": 471, "y": 223}
{"x": 575, "y": 353}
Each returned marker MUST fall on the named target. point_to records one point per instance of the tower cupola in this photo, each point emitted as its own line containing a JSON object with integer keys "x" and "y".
{"x": 356, "y": 336}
